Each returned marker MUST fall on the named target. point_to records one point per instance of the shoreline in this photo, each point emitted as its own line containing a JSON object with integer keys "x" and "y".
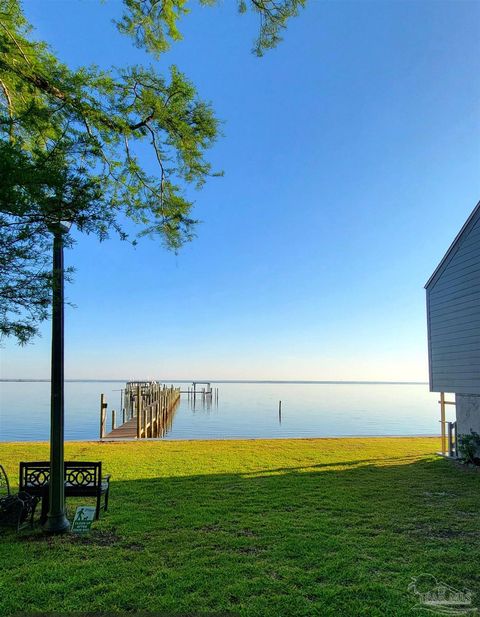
{"x": 226, "y": 439}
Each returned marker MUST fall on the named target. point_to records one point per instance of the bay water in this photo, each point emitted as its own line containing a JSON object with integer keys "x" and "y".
{"x": 244, "y": 410}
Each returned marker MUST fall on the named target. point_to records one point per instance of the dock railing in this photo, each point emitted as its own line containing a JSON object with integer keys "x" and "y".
{"x": 154, "y": 407}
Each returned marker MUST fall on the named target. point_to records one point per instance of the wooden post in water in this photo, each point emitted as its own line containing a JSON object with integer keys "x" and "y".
{"x": 150, "y": 419}
{"x": 113, "y": 419}
{"x": 160, "y": 409}
{"x": 165, "y": 404}
{"x": 154, "y": 410}
{"x": 139, "y": 412}
{"x": 103, "y": 415}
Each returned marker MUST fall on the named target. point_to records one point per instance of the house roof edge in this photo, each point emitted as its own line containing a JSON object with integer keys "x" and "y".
{"x": 449, "y": 254}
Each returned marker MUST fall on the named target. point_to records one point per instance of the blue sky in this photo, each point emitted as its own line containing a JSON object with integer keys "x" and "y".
{"x": 351, "y": 157}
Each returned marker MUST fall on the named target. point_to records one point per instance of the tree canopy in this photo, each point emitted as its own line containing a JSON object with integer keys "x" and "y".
{"x": 73, "y": 145}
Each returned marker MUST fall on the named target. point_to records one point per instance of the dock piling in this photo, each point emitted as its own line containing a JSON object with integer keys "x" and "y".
{"x": 103, "y": 415}
{"x": 139, "y": 411}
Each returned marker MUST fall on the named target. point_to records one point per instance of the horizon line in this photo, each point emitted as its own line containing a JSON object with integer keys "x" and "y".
{"x": 226, "y": 381}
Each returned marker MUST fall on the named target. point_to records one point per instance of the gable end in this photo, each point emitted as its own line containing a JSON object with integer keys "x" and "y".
{"x": 463, "y": 233}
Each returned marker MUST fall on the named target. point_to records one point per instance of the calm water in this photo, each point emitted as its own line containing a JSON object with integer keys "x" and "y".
{"x": 244, "y": 410}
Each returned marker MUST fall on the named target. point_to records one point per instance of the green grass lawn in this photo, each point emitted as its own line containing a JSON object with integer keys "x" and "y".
{"x": 269, "y": 528}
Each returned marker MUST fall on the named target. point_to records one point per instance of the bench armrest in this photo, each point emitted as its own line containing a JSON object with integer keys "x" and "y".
{"x": 106, "y": 477}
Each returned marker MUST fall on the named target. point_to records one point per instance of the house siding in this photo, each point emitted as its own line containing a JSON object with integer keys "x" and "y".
{"x": 453, "y": 314}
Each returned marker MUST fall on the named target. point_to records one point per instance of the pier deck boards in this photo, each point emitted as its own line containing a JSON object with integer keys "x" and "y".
{"x": 125, "y": 431}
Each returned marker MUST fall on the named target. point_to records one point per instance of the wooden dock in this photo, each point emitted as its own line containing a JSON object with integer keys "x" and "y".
{"x": 147, "y": 411}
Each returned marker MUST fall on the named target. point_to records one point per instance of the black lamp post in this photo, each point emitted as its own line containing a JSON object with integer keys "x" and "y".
{"x": 57, "y": 521}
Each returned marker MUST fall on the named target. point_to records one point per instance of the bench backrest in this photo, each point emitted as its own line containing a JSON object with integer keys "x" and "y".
{"x": 77, "y": 474}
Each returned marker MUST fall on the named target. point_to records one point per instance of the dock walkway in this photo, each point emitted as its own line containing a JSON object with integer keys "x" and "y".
{"x": 128, "y": 430}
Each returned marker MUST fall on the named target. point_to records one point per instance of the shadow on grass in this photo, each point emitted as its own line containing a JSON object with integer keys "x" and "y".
{"x": 307, "y": 496}
{"x": 332, "y": 539}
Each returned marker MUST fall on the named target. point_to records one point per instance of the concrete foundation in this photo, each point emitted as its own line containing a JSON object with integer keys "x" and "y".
{"x": 468, "y": 413}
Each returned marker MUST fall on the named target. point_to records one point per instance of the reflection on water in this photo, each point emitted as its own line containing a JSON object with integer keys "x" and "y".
{"x": 249, "y": 410}
{"x": 201, "y": 402}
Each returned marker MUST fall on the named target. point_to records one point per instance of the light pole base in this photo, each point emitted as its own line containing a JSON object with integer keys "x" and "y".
{"x": 58, "y": 523}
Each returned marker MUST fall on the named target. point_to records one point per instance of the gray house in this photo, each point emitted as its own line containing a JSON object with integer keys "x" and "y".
{"x": 453, "y": 317}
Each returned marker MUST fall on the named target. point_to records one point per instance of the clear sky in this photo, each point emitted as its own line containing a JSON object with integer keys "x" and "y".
{"x": 351, "y": 157}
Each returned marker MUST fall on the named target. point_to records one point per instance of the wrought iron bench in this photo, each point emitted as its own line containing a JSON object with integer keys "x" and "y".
{"x": 82, "y": 479}
{"x": 15, "y": 510}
